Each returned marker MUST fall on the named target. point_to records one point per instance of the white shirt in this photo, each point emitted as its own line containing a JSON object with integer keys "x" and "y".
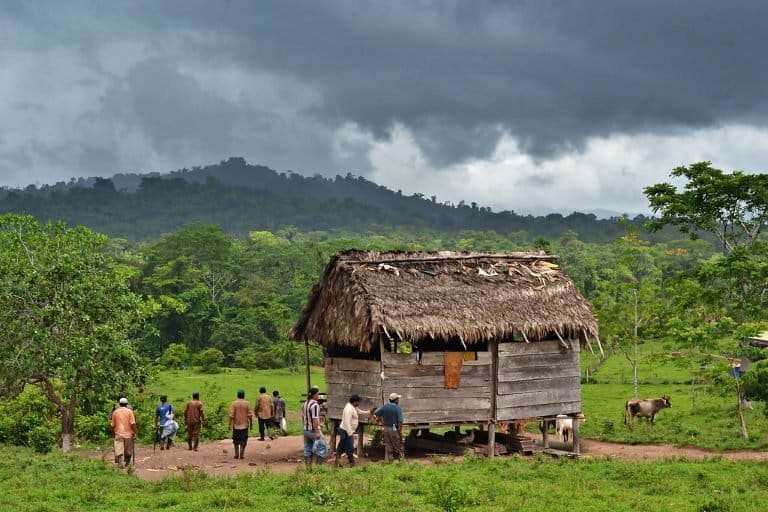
{"x": 349, "y": 419}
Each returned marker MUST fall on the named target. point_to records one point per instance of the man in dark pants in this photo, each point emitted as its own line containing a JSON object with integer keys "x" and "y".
{"x": 193, "y": 417}
{"x": 265, "y": 409}
{"x": 347, "y": 429}
{"x": 392, "y": 425}
{"x": 279, "y": 407}
{"x": 240, "y": 421}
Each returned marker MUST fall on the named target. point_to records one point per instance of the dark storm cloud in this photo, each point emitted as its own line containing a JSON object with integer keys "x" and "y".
{"x": 457, "y": 74}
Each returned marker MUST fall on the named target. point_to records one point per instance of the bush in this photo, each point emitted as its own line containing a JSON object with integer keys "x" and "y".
{"x": 254, "y": 358}
{"x": 29, "y": 419}
{"x": 175, "y": 356}
{"x": 210, "y": 360}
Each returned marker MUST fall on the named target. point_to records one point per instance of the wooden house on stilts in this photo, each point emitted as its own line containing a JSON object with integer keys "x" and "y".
{"x": 465, "y": 338}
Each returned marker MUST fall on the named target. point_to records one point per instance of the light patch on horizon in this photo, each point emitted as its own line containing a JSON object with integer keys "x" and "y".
{"x": 580, "y": 180}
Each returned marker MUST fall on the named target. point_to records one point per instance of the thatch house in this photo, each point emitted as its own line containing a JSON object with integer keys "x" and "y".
{"x": 465, "y": 338}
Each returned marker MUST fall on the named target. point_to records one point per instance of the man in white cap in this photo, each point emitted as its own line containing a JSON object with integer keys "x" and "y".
{"x": 392, "y": 426}
{"x": 124, "y": 429}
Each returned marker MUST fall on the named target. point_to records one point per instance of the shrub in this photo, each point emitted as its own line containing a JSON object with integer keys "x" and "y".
{"x": 255, "y": 358}
{"x": 210, "y": 360}
{"x": 175, "y": 356}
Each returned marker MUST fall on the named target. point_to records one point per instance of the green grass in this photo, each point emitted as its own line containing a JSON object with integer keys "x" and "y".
{"x": 55, "y": 482}
{"x": 222, "y": 387}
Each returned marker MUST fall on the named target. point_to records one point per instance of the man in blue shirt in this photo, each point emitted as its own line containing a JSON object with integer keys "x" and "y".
{"x": 163, "y": 414}
{"x": 392, "y": 427}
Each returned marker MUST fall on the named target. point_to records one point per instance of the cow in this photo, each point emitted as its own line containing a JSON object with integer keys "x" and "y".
{"x": 646, "y": 408}
{"x": 564, "y": 425}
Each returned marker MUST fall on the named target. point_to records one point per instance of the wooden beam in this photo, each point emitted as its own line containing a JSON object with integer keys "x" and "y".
{"x": 491, "y": 438}
{"x": 576, "y": 434}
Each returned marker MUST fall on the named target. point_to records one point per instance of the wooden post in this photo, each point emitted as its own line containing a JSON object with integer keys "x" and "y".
{"x": 334, "y": 430}
{"x": 576, "y": 434}
{"x": 360, "y": 440}
{"x": 492, "y": 439}
{"x": 493, "y": 346}
{"x": 306, "y": 360}
{"x": 545, "y": 434}
{"x": 457, "y": 429}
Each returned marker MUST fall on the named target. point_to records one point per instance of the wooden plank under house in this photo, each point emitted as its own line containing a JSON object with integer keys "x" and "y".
{"x": 465, "y": 338}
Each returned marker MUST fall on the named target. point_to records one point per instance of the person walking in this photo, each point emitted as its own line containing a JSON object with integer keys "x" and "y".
{"x": 278, "y": 405}
{"x": 265, "y": 410}
{"x": 193, "y": 417}
{"x": 314, "y": 444}
{"x": 163, "y": 419}
{"x": 347, "y": 429}
{"x": 240, "y": 421}
{"x": 123, "y": 424}
{"x": 392, "y": 426}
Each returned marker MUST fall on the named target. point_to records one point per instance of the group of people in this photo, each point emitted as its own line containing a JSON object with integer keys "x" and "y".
{"x": 270, "y": 413}
{"x": 315, "y": 447}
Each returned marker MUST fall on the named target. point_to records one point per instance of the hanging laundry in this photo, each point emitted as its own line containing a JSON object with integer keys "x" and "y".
{"x": 453, "y": 362}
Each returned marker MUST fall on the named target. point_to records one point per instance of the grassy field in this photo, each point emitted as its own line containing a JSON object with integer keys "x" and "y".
{"x": 74, "y": 483}
{"x": 223, "y": 387}
{"x": 711, "y": 424}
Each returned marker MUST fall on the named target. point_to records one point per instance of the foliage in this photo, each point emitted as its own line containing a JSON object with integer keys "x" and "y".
{"x": 756, "y": 381}
{"x": 68, "y": 314}
{"x": 210, "y": 360}
{"x": 733, "y": 207}
{"x": 175, "y": 356}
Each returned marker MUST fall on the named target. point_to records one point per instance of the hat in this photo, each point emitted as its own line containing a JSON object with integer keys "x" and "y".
{"x": 393, "y": 397}
{"x": 123, "y": 401}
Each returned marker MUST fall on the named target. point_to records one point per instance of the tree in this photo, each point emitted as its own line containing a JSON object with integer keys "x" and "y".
{"x": 628, "y": 297}
{"x": 210, "y": 360}
{"x": 67, "y": 314}
{"x": 175, "y": 356}
{"x": 732, "y": 207}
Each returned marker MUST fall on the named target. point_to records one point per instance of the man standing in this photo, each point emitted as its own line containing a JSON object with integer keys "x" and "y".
{"x": 314, "y": 444}
{"x": 264, "y": 410}
{"x": 163, "y": 415}
{"x": 347, "y": 429}
{"x": 392, "y": 426}
{"x": 278, "y": 405}
{"x": 240, "y": 421}
{"x": 193, "y": 417}
{"x": 123, "y": 425}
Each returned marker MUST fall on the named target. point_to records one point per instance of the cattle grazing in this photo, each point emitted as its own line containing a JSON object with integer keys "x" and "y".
{"x": 646, "y": 408}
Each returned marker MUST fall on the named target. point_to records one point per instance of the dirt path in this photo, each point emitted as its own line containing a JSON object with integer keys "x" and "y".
{"x": 284, "y": 454}
{"x": 281, "y": 455}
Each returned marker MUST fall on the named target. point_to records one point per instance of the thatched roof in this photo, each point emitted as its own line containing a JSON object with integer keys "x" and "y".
{"x": 367, "y": 296}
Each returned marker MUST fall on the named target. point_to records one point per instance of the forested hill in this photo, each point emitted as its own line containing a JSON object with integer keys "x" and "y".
{"x": 241, "y": 198}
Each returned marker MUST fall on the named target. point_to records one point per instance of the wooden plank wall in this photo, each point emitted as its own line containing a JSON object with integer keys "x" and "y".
{"x": 537, "y": 379}
{"x": 345, "y": 377}
{"x": 425, "y": 400}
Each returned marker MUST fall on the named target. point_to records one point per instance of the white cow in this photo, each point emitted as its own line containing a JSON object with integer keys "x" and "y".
{"x": 564, "y": 425}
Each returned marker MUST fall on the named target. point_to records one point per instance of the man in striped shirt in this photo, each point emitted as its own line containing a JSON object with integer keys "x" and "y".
{"x": 314, "y": 444}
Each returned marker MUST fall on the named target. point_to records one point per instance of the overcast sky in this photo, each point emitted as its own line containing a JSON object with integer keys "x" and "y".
{"x": 511, "y": 104}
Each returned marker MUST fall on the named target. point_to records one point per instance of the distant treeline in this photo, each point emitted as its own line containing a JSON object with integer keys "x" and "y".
{"x": 242, "y": 198}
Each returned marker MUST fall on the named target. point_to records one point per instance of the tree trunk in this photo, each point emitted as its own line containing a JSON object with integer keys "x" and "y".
{"x": 742, "y": 423}
{"x": 634, "y": 370}
{"x": 635, "y": 333}
{"x": 67, "y": 429}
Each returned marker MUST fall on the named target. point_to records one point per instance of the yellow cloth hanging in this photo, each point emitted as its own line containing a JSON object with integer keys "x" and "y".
{"x": 470, "y": 356}
{"x": 453, "y": 362}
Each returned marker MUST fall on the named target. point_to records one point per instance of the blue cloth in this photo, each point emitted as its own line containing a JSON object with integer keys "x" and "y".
{"x": 162, "y": 412}
{"x": 346, "y": 443}
{"x": 314, "y": 446}
{"x": 390, "y": 414}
